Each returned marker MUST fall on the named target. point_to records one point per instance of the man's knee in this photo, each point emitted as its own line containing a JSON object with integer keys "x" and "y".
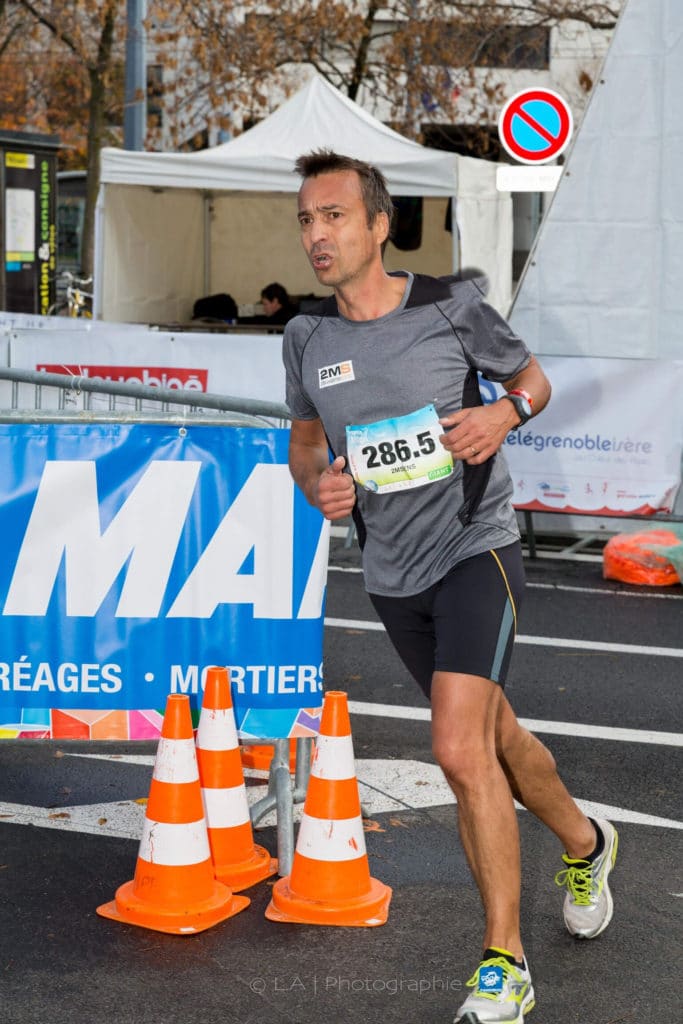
{"x": 463, "y": 760}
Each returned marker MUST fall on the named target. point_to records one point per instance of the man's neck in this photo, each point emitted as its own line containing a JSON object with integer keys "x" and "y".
{"x": 372, "y": 298}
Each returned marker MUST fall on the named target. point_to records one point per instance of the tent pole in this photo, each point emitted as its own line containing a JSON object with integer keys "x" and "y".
{"x": 98, "y": 276}
{"x": 455, "y": 235}
{"x": 207, "y": 242}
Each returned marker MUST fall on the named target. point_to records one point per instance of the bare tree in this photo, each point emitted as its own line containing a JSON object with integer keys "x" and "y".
{"x": 402, "y": 58}
{"x": 227, "y": 64}
{"x": 68, "y": 62}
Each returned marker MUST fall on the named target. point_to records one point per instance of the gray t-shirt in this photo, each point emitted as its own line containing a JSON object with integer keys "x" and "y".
{"x": 388, "y": 380}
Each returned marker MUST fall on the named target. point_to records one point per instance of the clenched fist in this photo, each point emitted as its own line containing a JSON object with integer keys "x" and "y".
{"x": 336, "y": 492}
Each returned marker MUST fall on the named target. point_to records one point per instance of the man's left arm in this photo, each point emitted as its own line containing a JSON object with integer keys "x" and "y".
{"x": 475, "y": 434}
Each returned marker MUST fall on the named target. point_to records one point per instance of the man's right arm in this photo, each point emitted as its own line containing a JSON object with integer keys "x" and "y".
{"x": 325, "y": 485}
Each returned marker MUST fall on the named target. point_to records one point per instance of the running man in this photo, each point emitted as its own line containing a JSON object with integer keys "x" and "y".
{"x": 385, "y": 376}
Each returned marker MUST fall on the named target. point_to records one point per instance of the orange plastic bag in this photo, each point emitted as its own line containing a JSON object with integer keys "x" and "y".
{"x": 639, "y": 558}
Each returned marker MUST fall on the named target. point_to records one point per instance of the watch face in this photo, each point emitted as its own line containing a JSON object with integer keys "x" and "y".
{"x": 522, "y": 407}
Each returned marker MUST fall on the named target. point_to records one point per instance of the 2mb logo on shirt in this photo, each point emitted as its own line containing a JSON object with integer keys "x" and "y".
{"x": 337, "y": 373}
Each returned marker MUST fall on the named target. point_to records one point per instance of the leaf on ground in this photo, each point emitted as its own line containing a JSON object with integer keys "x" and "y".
{"x": 369, "y": 825}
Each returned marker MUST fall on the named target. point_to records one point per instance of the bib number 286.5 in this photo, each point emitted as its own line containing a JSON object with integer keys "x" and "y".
{"x": 386, "y": 453}
{"x": 399, "y": 453}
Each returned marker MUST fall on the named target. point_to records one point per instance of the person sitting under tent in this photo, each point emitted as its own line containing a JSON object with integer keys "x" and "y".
{"x": 278, "y": 307}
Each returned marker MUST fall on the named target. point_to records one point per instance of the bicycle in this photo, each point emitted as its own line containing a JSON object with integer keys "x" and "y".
{"x": 77, "y": 302}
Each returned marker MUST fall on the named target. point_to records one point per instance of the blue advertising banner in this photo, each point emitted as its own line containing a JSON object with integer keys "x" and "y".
{"x": 138, "y": 555}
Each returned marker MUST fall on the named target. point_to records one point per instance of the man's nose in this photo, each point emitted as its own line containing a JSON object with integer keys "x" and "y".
{"x": 317, "y": 230}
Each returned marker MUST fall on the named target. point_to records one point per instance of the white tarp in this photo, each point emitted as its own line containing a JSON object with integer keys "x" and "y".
{"x": 174, "y": 226}
{"x": 242, "y": 366}
{"x": 604, "y": 278}
{"x": 600, "y": 448}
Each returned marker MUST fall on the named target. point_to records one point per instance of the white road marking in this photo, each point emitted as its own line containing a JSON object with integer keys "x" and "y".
{"x": 384, "y": 785}
{"x": 603, "y": 590}
{"x": 600, "y": 732}
{"x": 531, "y": 585}
{"x": 537, "y": 641}
{"x": 121, "y": 819}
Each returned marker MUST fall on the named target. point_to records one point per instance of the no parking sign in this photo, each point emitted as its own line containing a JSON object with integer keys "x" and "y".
{"x": 535, "y": 126}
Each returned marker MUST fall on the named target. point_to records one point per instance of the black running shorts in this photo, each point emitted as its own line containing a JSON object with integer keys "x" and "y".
{"x": 464, "y": 623}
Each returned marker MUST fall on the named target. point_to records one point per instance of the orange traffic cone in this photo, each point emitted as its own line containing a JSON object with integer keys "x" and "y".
{"x": 330, "y": 881}
{"x": 237, "y": 861}
{"x": 174, "y": 889}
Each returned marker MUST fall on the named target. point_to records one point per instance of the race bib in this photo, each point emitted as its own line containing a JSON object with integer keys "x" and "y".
{"x": 399, "y": 453}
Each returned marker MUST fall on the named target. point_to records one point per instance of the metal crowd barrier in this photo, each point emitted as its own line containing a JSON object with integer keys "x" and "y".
{"x": 125, "y": 403}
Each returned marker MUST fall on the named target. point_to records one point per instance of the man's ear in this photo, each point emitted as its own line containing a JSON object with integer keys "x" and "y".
{"x": 381, "y": 228}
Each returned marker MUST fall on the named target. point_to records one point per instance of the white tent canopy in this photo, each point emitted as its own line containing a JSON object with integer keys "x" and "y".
{"x": 173, "y": 226}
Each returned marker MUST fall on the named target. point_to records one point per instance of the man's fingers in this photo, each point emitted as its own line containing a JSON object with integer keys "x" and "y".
{"x": 454, "y": 418}
{"x": 337, "y": 467}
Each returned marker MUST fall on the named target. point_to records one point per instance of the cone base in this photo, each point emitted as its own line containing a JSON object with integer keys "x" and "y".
{"x": 366, "y": 911}
{"x": 247, "y": 872}
{"x": 129, "y": 909}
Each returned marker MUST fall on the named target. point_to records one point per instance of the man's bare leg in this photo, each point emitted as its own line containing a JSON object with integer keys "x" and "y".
{"x": 535, "y": 783}
{"x": 465, "y": 710}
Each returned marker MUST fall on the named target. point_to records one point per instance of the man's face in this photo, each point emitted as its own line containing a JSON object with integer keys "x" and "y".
{"x": 334, "y": 228}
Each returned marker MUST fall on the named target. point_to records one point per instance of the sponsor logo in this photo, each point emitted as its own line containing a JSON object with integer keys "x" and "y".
{"x": 560, "y": 489}
{"x": 491, "y": 979}
{"x": 178, "y": 377}
{"x": 336, "y": 373}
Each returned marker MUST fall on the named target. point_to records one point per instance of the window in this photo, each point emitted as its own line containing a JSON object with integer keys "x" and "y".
{"x": 155, "y": 96}
{"x": 498, "y": 46}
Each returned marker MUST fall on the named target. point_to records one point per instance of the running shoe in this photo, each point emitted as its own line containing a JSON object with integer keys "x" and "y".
{"x": 588, "y": 905}
{"x": 503, "y": 993}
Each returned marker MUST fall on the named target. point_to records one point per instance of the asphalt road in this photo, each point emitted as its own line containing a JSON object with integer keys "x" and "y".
{"x": 597, "y": 672}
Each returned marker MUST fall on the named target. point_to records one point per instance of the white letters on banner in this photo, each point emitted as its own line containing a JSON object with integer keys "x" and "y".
{"x": 138, "y": 554}
{"x": 144, "y": 536}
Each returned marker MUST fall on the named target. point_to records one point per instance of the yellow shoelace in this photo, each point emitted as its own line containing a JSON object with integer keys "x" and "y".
{"x": 578, "y": 879}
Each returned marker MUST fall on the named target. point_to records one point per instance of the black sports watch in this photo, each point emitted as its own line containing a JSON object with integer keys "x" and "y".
{"x": 522, "y": 408}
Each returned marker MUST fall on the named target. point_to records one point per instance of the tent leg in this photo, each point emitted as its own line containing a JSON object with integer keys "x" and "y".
{"x": 208, "y": 210}
{"x": 98, "y": 262}
{"x": 455, "y": 236}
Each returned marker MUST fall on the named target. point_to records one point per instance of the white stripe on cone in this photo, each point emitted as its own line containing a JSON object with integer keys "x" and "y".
{"x": 333, "y": 758}
{"x": 217, "y": 729}
{"x": 174, "y": 845}
{"x": 176, "y": 761}
{"x": 226, "y": 808}
{"x": 331, "y": 840}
